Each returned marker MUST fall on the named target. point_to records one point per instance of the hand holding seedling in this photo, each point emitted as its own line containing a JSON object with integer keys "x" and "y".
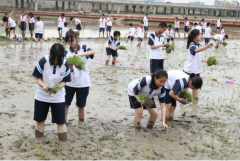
{"x": 45, "y": 88}
{"x": 183, "y": 101}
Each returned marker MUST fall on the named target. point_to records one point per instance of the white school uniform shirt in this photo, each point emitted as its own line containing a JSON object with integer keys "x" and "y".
{"x": 140, "y": 32}
{"x": 61, "y": 22}
{"x": 23, "y": 18}
{"x": 219, "y": 22}
{"x": 176, "y": 24}
{"x": 194, "y": 60}
{"x": 186, "y": 23}
{"x": 154, "y": 39}
{"x": 110, "y": 22}
{"x": 198, "y": 28}
{"x": 219, "y": 37}
{"x": 142, "y": 86}
{"x": 12, "y": 22}
{"x": 132, "y": 31}
{"x": 204, "y": 25}
{"x": 79, "y": 78}
{"x": 112, "y": 42}
{"x": 177, "y": 81}
{"x": 64, "y": 31}
{"x": 169, "y": 33}
{"x": 208, "y": 31}
{"x": 31, "y": 20}
{"x": 145, "y": 19}
{"x": 51, "y": 75}
{"x": 102, "y": 22}
{"x": 222, "y": 31}
{"x": 76, "y": 21}
{"x": 39, "y": 27}
{"x": 195, "y": 22}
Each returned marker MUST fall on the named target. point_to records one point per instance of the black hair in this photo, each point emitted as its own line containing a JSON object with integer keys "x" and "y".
{"x": 195, "y": 24}
{"x": 195, "y": 17}
{"x": 70, "y": 35}
{"x": 222, "y": 27}
{"x": 186, "y": 18}
{"x": 147, "y": 13}
{"x": 196, "y": 81}
{"x": 162, "y": 25}
{"x": 62, "y": 14}
{"x": 30, "y": 14}
{"x": 71, "y": 18}
{"x": 115, "y": 33}
{"x": 57, "y": 51}
{"x": 130, "y": 24}
{"x": 170, "y": 26}
{"x": 226, "y": 36}
{"x": 65, "y": 24}
{"x": 194, "y": 33}
{"x": 203, "y": 19}
{"x": 176, "y": 18}
{"x": 5, "y": 19}
{"x": 159, "y": 74}
{"x": 218, "y": 15}
{"x": 103, "y": 15}
{"x": 142, "y": 22}
{"x": 208, "y": 23}
{"x": 109, "y": 12}
{"x": 6, "y": 14}
{"x": 38, "y": 18}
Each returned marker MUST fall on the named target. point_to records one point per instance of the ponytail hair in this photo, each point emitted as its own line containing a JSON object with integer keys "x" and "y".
{"x": 196, "y": 81}
{"x": 194, "y": 33}
{"x": 160, "y": 73}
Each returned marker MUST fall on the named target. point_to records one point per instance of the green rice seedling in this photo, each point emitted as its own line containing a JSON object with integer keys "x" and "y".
{"x": 56, "y": 88}
{"x": 22, "y": 137}
{"x": 77, "y": 62}
{"x": 211, "y": 61}
{"x": 125, "y": 145}
{"x": 146, "y": 101}
{"x": 70, "y": 60}
{"x": 122, "y": 47}
{"x": 25, "y": 38}
{"x": 225, "y": 43}
{"x": 195, "y": 148}
{"x": 4, "y": 37}
{"x": 172, "y": 45}
{"x": 186, "y": 95}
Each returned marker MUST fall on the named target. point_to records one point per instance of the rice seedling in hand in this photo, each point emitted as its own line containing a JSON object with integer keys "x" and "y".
{"x": 122, "y": 47}
{"x": 211, "y": 61}
{"x": 77, "y": 62}
{"x": 146, "y": 101}
{"x": 186, "y": 95}
{"x": 225, "y": 43}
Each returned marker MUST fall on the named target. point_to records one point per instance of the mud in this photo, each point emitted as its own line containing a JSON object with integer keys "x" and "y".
{"x": 204, "y": 129}
{"x": 148, "y": 102}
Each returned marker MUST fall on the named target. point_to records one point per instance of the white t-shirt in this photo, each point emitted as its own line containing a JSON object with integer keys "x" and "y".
{"x": 219, "y": 37}
{"x": 208, "y": 31}
{"x": 197, "y": 27}
{"x": 11, "y": 22}
{"x": 64, "y": 31}
{"x": 204, "y": 25}
{"x": 186, "y": 23}
{"x": 31, "y": 20}
{"x": 145, "y": 20}
{"x": 169, "y": 33}
{"x": 112, "y": 42}
{"x": 110, "y": 22}
{"x": 195, "y": 22}
{"x": 102, "y": 22}
{"x": 23, "y": 18}
{"x": 176, "y": 24}
{"x": 61, "y": 22}
{"x": 176, "y": 79}
{"x": 39, "y": 27}
{"x": 140, "y": 32}
{"x": 219, "y": 22}
{"x": 154, "y": 39}
{"x": 76, "y": 21}
{"x": 132, "y": 31}
{"x": 222, "y": 31}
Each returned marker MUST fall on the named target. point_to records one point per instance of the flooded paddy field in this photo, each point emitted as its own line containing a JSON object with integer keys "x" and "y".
{"x": 204, "y": 129}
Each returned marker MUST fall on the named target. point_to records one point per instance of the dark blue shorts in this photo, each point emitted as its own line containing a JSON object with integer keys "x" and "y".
{"x": 169, "y": 99}
{"x": 145, "y": 28}
{"x": 130, "y": 37}
{"x": 101, "y": 29}
{"x": 31, "y": 26}
{"x": 12, "y": 28}
{"x": 59, "y": 29}
{"x": 156, "y": 63}
{"x": 218, "y": 28}
{"x": 140, "y": 39}
{"x": 81, "y": 95}
{"x": 177, "y": 30}
{"x": 194, "y": 73}
{"x": 168, "y": 40}
{"x": 111, "y": 52}
{"x": 186, "y": 29}
{"x": 109, "y": 28}
{"x": 23, "y": 26}
{"x": 37, "y": 35}
{"x": 41, "y": 111}
{"x": 134, "y": 104}
{"x": 207, "y": 40}
{"x": 78, "y": 27}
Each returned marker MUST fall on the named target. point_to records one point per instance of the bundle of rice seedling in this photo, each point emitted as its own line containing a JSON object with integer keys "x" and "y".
{"x": 25, "y": 38}
{"x": 211, "y": 61}
{"x": 172, "y": 45}
{"x": 77, "y": 62}
{"x": 146, "y": 101}
{"x": 122, "y": 47}
{"x": 186, "y": 95}
{"x": 169, "y": 48}
{"x": 56, "y": 88}
{"x": 53, "y": 90}
{"x": 225, "y": 43}
{"x": 4, "y": 37}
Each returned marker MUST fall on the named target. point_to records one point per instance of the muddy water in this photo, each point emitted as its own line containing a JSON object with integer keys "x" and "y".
{"x": 205, "y": 129}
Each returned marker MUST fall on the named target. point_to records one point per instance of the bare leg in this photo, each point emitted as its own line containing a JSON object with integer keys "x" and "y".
{"x": 168, "y": 109}
{"x": 81, "y": 113}
{"x": 114, "y": 60}
{"x": 61, "y": 128}
{"x": 40, "y": 126}
{"x": 172, "y": 109}
{"x": 138, "y": 118}
{"x": 103, "y": 34}
{"x": 66, "y": 111}
{"x": 153, "y": 117}
{"x": 195, "y": 93}
{"x": 99, "y": 34}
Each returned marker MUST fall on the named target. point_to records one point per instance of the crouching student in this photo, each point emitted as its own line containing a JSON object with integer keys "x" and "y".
{"x": 149, "y": 86}
{"x": 112, "y": 47}
{"x": 50, "y": 71}
{"x": 11, "y": 25}
{"x": 80, "y": 78}
{"x": 219, "y": 39}
{"x": 178, "y": 81}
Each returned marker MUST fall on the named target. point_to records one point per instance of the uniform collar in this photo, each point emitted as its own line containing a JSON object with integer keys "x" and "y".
{"x": 71, "y": 49}
{"x": 157, "y": 35}
{"x": 150, "y": 85}
{"x": 195, "y": 43}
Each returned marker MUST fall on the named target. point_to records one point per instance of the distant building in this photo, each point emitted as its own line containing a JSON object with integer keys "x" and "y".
{"x": 197, "y": 3}
{"x": 225, "y": 3}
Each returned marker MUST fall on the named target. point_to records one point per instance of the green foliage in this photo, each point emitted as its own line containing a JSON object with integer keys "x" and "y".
{"x": 172, "y": 45}
{"x": 4, "y": 37}
{"x": 211, "y": 61}
{"x": 225, "y": 43}
{"x": 142, "y": 98}
{"x": 25, "y": 38}
{"x": 56, "y": 88}
{"x": 122, "y": 47}
{"x": 79, "y": 63}
{"x": 186, "y": 95}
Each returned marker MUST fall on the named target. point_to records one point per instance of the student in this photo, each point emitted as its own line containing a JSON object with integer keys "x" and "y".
{"x": 186, "y": 26}
{"x": 145, "y": 20}
{"x": 51, "y": 70}
{"x": 109, "y": 24}
{"x": 156, "y": 42}
{"x": 60, "y": 22}
{"x": 39, "y": 30}
{"x": 196, "y": 26}
{"x": 149, "y": 86}
{"x": 80, "y": 78}
{"x": 23, "y": 19}
{"x": 76, "y": 22}
{"x": 176, "y": 22}
{"x": 140, "y": 33}
{"x": 131, "y": 33}
{"x": 31, "y": 22}
{"x": 218, "y": 24}
{"x": 208, "y": 32}
{"x": 112, "y": 47}
{"x": 101, "y": 25}
{"x": 219, "y": 39}
{"x": 195, "y": 21}
{"x": 176, "y": 82}
{"x": 222, "y": 30}
{"x": 194, "y": 58}
{"x": 6, "y": 25}
{"x": 11, "y": 25}
{"x": 170, "y": 34}
{"x": 64, "y": 31}
{"x": 204, "y": 25}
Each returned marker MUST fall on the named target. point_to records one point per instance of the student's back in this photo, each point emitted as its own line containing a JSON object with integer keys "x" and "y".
{"x": 39, "y": 27}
